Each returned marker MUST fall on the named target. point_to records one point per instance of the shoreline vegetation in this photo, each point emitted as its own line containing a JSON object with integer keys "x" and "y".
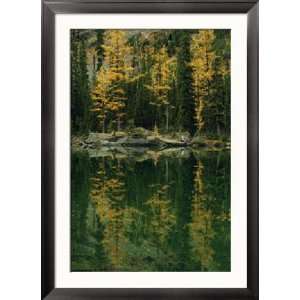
{"x": 150, "y": 150}
{"x": 141, "y": 140}
{"x": 154, "y": 88}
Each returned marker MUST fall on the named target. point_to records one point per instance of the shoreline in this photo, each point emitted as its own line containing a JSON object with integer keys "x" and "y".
{"x": 143, "y": 140}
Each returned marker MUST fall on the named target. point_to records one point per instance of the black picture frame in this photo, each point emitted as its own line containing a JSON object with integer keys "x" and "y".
{"x": 52, "y": 7}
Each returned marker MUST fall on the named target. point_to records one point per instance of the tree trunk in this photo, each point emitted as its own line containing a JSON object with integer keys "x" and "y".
{"x": 167, "y": 170}
{"x": 119, "y": 124}
{"x": 103, "y": 126}
{"x": 218, "y": 128}
{"x": 167, "y": 118}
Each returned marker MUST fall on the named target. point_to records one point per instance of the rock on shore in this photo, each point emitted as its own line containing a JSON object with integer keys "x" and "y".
{"x": 142, "y": 138}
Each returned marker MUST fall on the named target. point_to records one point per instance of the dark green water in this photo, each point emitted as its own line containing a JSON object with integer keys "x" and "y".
{"x": 165, "y": 211}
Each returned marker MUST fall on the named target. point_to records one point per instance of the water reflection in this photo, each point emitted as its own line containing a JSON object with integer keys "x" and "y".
{"x": 151, "y": 211}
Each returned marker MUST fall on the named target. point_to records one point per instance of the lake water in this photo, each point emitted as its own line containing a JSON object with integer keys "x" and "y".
{"x": 145, "y": 210}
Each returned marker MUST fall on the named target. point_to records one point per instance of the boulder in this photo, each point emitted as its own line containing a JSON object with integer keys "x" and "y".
{"x": 198, "y": 141}
{"x": 96, "y": 137}
{"x": 131, "y": 141}
{"x": 183, "y": 136}
{"x": 139, "y": 132}
{"x": 171, "y": 142}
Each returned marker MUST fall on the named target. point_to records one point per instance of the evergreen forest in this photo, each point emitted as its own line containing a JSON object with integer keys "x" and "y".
{"x": 164, "y": 81}
{"x": 150, "y": 159}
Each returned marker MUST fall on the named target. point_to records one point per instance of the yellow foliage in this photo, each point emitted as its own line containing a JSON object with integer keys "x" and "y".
{"x": 107, "y": 197}
{"x": 162, "y": 218}
{"x": 108, "y": 94}
{"x": 201, "y": 229}
{"x": 202, "y": 68}
{"x": 161, "y": 76}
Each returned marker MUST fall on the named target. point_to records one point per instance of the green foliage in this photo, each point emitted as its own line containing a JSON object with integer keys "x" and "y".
{"x": 176, "y": 79}
{"x": 109, "y": 93}
{"x": 80, "y": 99}
{"x": 163, "y": 214}
{"x": 211, "y": 81}
{"x": 183, "y": 92}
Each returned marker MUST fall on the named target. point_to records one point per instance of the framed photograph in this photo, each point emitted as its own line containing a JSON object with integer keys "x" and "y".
{"x": 149, "y": 149}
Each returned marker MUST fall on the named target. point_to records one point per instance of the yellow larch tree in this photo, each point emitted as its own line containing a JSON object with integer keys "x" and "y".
{"x": 202, "y": 58}
{"x": 161, "y": 73}
{"x": 114, "y": 74}
{"x": 100, "y": 97}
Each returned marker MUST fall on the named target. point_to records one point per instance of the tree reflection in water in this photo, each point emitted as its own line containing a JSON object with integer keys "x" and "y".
{"x": 167, "y": 212}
